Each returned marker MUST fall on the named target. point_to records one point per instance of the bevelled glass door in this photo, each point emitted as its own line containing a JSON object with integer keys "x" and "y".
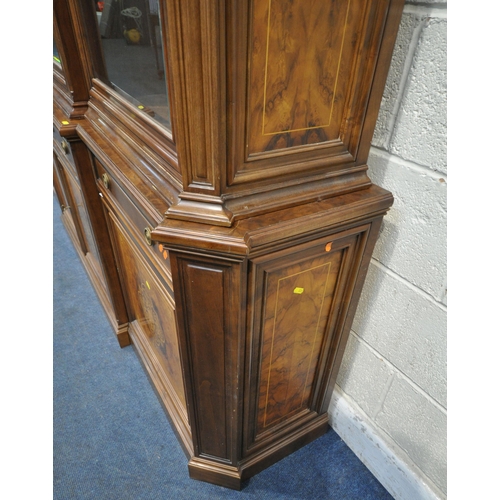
{"x": 55, "y": 52}
{"x": 131, "y": 38}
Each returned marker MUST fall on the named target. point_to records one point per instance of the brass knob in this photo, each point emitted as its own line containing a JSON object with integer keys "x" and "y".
{"x": 65, "y": 147}
{"x": 147, "y": 235}
{"x": 105, "y": 180}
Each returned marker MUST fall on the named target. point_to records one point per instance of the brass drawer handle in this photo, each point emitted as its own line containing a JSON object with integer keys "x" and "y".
{"x": 105, "y": 180}
{"x": 147, "y": 235}
{"x": 65, "y": 147}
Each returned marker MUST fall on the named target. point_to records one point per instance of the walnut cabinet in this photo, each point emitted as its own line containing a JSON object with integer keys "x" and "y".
{"x": 210, "y": 160}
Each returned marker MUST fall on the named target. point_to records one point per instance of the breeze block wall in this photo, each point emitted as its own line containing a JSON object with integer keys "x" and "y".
{"x": 389, "y": 404}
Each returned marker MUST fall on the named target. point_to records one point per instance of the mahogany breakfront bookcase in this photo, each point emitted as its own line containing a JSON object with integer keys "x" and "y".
{"x": 210, "y": 163}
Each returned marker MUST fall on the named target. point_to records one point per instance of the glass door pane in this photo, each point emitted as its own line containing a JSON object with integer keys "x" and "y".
{"x": 131, "y": 37}
{"x": 55, "y": 53}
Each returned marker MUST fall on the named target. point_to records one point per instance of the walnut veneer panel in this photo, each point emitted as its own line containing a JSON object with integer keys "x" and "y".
{"x": 297, "y": 50}
{"x": 87, "y": 233}
{"x": 312, "y": 63}
{"x": 150, "y": 304}
{"x": 297, "y": 304}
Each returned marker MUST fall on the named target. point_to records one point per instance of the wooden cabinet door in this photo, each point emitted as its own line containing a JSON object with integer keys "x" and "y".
{"x": 147, "y": 287}
{"x": 298, "y": 311}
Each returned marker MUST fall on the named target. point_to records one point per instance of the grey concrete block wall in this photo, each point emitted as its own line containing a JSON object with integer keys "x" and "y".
{"x": 411, "y": 240}
{"x": 420, "y": 130}
{"x": 394, "y": 370}
{"x": 408, "y": 330}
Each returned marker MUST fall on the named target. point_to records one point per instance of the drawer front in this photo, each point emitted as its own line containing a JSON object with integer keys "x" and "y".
{"x": 133, "y": 218}
{"x": 62, "y": 148}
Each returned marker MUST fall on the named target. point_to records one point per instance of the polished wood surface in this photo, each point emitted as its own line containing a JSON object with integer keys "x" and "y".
{"x": 297, "y": 302}
{"x": 81, "y": 204}
{"x": 296, "y": 61}
{"x": 301, "y": 108}
{"x": 230, "y": 249}
{"x": 152, "y": 307}
{"x": 208, "y": 343}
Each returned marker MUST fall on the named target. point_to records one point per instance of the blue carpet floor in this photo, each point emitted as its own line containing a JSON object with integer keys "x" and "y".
{"x": 112, "y": 439}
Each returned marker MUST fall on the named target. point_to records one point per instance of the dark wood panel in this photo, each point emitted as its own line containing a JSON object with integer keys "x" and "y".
{"x": 297, "y": 308}
{"x": 150, "y": 305}
{"x": 210, "y": 299}
{"x": 87, "y": 231}
{"x": 57, "y": 189}
{"x": 206, "y": 339}
{"x": 297, "y": 304}
{"x": 58, "y": 183}
{"x": 74, "y": 197}
{"x": 302, "y": 56}
{"x": 195, "y": 32}
{"x": 303, "y": 51}
{"x": 99, "y": 245}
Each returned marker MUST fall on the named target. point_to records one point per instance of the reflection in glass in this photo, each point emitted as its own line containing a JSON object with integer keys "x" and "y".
{"x": 132, "y": 45}
{"x": 55, "y": 53}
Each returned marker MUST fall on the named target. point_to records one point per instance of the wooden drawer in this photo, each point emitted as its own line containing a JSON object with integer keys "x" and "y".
{"x": 134, "y": 219}
{"x": 62, "y": 148}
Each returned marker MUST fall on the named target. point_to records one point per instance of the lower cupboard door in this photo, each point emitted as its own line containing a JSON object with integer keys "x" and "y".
{"x": 153, "y": 323}
{"x": 297, "y": 320}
